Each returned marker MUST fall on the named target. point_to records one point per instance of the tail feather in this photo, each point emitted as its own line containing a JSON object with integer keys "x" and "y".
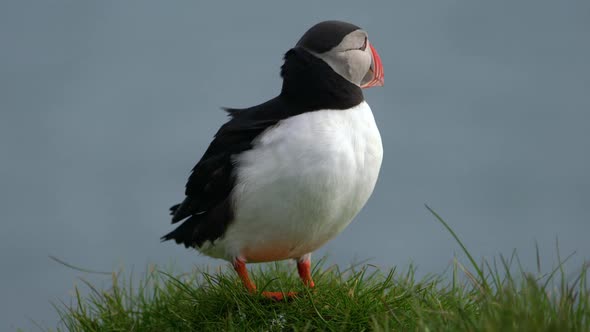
{"x": 183, "y": 234}
{"x": 173, "y": 209}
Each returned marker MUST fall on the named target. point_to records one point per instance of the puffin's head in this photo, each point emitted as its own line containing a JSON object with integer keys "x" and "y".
{"x": 347, "y": 50}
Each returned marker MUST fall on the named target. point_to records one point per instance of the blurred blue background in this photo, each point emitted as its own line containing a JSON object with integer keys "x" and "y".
{"x": 105, "y": 106}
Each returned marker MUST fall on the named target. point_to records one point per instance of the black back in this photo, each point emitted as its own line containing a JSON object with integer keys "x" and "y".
{"x": 309, "y": 84}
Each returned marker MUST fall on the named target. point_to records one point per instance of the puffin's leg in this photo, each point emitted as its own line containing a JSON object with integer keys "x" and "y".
{"x": 240, "y": 267}
{"x": 304, "y": 269}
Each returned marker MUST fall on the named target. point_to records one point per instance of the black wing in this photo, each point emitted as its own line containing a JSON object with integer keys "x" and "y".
{"x": 207, "y": 208}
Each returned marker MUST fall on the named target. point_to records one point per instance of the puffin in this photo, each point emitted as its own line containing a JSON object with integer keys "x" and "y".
{"x": 282, "y": 178}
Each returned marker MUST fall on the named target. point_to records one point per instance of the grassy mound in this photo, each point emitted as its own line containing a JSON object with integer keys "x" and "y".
{"x": 353, "y": 300}
{"x": 496, "y": 296}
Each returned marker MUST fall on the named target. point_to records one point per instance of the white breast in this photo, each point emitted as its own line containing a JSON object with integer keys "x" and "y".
{"x": 303, "y": 182}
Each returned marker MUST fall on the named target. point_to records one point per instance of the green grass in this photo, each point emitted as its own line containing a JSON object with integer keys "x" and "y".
{"x": 491, "y": 296}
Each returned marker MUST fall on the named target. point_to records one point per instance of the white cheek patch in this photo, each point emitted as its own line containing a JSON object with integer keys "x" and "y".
{"x": 353, "y": 65}
{"x": 347, "y": 59}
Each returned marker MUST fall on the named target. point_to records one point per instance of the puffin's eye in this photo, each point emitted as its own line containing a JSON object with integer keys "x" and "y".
{"x": 362, "y": 48}
{"x": 364, "y": 45}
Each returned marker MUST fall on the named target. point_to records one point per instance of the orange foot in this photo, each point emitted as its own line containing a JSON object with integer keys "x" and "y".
{"x": 279, "y": 296}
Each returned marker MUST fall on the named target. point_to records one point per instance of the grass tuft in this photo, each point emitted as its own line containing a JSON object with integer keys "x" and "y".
{"x": 497, "y": 296}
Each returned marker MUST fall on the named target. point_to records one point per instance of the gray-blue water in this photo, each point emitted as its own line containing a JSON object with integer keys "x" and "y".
{"x": 106, "y": 106}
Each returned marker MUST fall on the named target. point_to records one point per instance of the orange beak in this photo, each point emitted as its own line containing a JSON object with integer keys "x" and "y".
{"x": 376, "y": 70}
